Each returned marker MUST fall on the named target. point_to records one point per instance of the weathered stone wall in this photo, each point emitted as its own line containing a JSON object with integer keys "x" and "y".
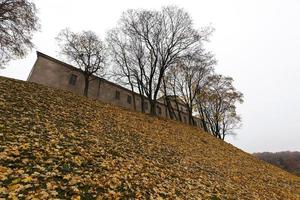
{"x": 54, "y": 73}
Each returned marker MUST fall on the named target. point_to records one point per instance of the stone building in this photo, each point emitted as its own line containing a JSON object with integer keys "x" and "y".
{"x": 51, "y": 72}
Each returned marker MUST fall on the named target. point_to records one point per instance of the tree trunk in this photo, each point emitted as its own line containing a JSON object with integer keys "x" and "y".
{"x": 179, "y": 114}
{"x": 191, "y": 119}
{"x": 142, "y": 104}
{"x": 203, "y": 121}
{"x": 134, "y": 103}
{"x": 86, "y": 85}
{"x": 167, "y": 102}
{"x": 99, "y": 85}
{"x": 133, "y": 96}
{"x": 204, "y": 125}
{"x": 153, "y": 107}
{"x": 170, "y": 108}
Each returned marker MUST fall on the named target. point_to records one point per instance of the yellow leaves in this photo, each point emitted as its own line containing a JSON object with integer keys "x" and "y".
{"x": 71, "y": 134}
{"x": 138, "y": 194}
{"x": 76, "y": 197}
{"x": 17, "y": 180}
{"x": 25, "y": 160}
{"x": 24, "y": 146}
{"x": 15, "y": 152}
{"x": 27, "y": 179}
{"x": 3, "y": 190}
{"x": 114, "y": 183}
{"x": 116, "y": 154}
{"x": 20, "y": 171}
{"x": 159, "y": 198}
{"x": 113, "y": 195}
{"x": 51, "y": 185}
{"x": 107, "y": 164}
{"x": 43, "y": 195}
{"x": 4, "y": 172}
{"x": 67, "y": 177}
{"x": 14, "y": 187}
{"x": 75, "y": 189}
{"x": 74, "y": 180}
{"x": 77, "y": 160}
{"x": 53, "y": 193}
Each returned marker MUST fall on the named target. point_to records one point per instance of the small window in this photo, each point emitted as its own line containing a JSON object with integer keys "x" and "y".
{"x": 145, "y": 105}
{"x": 117, "y": 94}
{"x": 72, "y": 80}
{"x": 158, "y": 110}
{"x": 129, "y": 99}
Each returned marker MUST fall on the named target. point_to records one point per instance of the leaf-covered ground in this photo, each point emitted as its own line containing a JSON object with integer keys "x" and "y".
{"x": 56, "y": 145}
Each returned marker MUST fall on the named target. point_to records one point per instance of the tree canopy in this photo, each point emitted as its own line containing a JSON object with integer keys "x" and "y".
{"x": 18, "y": 22}
{"x": 148, "y": 43}
{"x": 84, "y": 49}
{"x": 159, "y": 53}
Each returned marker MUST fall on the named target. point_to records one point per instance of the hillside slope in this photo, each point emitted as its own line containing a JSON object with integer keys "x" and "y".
{"x": 54, "y": 144}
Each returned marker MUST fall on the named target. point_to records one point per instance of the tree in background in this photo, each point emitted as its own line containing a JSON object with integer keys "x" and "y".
{"x": 188, "y": 77}
{"x": 146, "y": 44}
{"x": 86, "y": 51}
{"x": 18, "y": 22}
{"x": 287, "y": 160}
{"x": 216, "y": 104}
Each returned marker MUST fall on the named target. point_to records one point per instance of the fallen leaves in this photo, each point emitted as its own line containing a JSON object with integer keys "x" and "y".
{"x": 56, "y": 145}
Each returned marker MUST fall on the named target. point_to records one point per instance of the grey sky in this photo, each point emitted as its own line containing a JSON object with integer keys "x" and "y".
{"x": 256, "y": 42}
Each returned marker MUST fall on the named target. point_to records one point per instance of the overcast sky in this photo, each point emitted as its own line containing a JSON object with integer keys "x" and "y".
{"x": 256, "y": 42}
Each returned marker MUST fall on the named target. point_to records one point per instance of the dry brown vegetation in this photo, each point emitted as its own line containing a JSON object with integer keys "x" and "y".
{"x": 54, "y": 144}
{"x": 286, "y": 160}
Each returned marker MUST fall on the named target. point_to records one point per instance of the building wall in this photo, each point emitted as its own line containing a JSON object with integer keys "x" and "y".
{"x": 54, "y": 73}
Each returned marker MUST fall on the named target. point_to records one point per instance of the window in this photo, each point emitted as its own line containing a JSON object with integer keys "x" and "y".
{"x": 158, "y": 110}
{"x": 117, "y": 94}
{"x": 72, "y": 80}
{"x": 145, "y": 105}
{"x": 129, "y": 99}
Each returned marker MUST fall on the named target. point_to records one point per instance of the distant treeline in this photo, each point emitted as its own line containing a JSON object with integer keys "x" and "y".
{"x": 289, "y": 161}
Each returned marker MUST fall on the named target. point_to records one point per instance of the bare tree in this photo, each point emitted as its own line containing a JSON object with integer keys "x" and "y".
{"x": 86, "y": 51}
{"x": 217, "y": 106}
{"x": 123, "y": 64}
{"x": 18, "y": 22}
{"x": 154, "y": 41}
{"x": 189, "y": 77}
{"x": 166, "y": 91}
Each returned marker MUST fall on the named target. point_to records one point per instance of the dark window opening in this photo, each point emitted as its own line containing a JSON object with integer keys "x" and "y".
{"x": 117, "y": 94}
{"x": 72, "y": 80}
{"x": 129, "y": 99}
